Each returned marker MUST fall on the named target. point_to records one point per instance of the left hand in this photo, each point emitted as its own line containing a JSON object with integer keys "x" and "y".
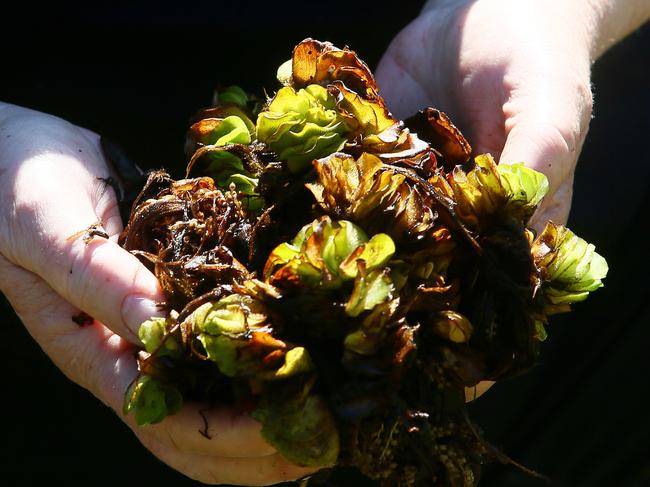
{"x": 53, "y": 184}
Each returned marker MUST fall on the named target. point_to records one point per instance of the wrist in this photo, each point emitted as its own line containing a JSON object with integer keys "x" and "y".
{"x": 612, "y": 20}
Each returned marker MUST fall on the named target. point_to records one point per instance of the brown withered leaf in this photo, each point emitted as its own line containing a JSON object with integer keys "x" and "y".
{"x": 437, "y": 128}
{"x": 434, "y": 298}
{"x": 188, "y": 234}
{"x": 392, "y": 144}
{"x": 364, "y": 116}
{"x": 404, "y": 342}
{"x": 320, "y": 62}
{"x": 365, "y": 190}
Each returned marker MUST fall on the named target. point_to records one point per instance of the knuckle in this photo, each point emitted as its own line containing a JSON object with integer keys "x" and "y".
{"x": 79, "y": 274}
{"x": 83, "y": 283}
{"x": 585, "y": 104}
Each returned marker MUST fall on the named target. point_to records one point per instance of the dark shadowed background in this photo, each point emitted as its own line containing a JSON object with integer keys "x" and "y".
{"x": 136, "y": 73}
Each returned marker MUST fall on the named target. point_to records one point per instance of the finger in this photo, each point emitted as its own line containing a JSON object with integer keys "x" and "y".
{"x": 268, "y": 470}
{"x": 545, "y": 148}
{"x": 98, "y": 276}
{"x": 105, "y": 364}
{"x": 546, "y": 125}
{"x": 75, "y": 348}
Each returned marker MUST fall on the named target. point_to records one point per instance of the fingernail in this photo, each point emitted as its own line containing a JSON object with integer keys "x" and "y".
{"x": 136, "y": 309}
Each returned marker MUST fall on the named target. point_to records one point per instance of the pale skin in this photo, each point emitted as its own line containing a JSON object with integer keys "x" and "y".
{"x": 517, "y": 83}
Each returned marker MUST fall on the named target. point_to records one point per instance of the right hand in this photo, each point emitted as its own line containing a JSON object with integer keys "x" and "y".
{"x": 50, "y": 189}
{"x": 513, "y": 74}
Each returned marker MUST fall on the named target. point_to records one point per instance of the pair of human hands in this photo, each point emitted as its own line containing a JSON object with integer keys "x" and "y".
{"x": 514, "y": 77}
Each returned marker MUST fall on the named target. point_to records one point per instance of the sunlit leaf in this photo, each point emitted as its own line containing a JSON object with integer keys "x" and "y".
{"x": 152, "y": 333}
{"x": 363, "y": 117}
{"x": 375, "y": 254}
{"x": 525, "y": 188}
{"x": 301, "y": 126}
{"x": 369, "y": 290}
{"x": 325, "y": 254}
{"x": 284, "y": 73}
{"x": 224, "y": 351}
{"x": 232, "y": 315}
{"x": 570, "y": 267}
{"x": 479, "y": 193}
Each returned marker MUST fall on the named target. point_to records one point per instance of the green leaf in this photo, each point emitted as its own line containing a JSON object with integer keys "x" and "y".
{"x": 342, "y": 243}
{"x": 152, "y": 332}
{"x": 222, "y": 165}
{"x": 375, "y": 254}
{"x": 232, "y": 315}
{"x": 570, "y": 267}
{"x": 301, "y": 126}
{"x": 525, "y": 188}
{"x": 540, "y": 331}
{"x": 359, "y": 342}
{"x": 300, "y": 158}
{"x": 365, "y": 117}
{"x": 369, "y": 291}
{"x": 479, "y": 193}
{"x": 280, "y": 255}
{"x": 226, "y": 327}
{"x": 151, "y": 400}
{"x": 300, "y": 427}
{"x": 223, "y": 351}
{"x": 244, "y": 184}
{"x": 231, "y": 130}
{"x": 325, "y": 253}
{"x": 296, "y": 361}
{"x": 226, "y": 168}
{"x": 246, "y": 188}
{"x": 369, "y": 337}
{"x": 233, "y": 94}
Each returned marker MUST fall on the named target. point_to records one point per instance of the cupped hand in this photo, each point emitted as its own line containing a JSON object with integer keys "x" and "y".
{"x": 514, "y": 75}
{"x": 52, "y": 186}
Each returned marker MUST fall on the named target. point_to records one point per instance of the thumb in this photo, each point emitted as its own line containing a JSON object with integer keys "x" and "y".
{"x": 97, "y": 276}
